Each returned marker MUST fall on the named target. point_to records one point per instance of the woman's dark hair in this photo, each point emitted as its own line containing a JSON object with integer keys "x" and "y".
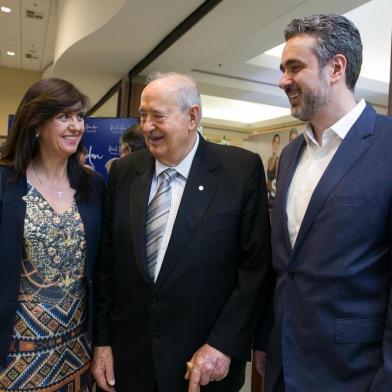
{"x": 42, "y": 101}
{"x": 276, "y": 136}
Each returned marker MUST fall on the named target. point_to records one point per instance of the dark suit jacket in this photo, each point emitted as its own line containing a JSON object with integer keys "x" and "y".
{"x": 212, "y": 278}
{"x": 333, "y": 312}
{"x": 12, "y": 215}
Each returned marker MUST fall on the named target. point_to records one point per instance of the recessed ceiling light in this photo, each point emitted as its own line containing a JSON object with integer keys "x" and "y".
{"x": 6, "y": 10}
{"x": 10, "y": 53}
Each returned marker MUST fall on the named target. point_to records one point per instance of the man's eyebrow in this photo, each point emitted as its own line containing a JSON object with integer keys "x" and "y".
{"x": 289, "y": 63}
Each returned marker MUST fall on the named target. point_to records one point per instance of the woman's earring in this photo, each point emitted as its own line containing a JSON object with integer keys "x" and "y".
{"x": 37, "y": 135}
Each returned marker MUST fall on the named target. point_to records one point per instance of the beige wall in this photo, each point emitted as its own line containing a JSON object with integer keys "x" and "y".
{"x": 13, "y": 85}
{"x": 108, "y": 109}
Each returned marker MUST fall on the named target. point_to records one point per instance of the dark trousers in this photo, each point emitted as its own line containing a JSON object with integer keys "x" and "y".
{"x": 157, "y": 390}
{"x": 279, "y": 386}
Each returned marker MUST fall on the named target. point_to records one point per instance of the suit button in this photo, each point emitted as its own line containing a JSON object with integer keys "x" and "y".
{"x": 291, "y": 274}
{"x": 156, "y": 335}
{"x": 154, "y": 300}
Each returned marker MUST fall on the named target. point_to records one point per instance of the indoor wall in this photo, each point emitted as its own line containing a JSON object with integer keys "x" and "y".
{"x": 14, "y": 84}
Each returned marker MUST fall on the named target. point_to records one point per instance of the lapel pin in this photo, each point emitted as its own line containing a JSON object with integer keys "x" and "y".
{"x": 201, "y": 188}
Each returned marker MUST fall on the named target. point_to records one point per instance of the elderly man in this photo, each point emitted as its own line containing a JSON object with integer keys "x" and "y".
{"x": 331, "y": 225}
{"x": 186, "y": 255}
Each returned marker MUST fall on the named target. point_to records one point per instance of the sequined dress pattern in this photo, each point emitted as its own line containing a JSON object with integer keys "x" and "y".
{"x": 50, "y": 350}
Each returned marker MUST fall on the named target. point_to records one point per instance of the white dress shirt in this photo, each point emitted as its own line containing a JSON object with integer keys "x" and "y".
{"x": 177, "y": 189}
{"x": 312, "y": 164}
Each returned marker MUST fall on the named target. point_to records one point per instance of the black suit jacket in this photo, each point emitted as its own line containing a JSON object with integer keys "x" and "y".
{"x": 212, "y": 280}
{"x": 12, "y": 215}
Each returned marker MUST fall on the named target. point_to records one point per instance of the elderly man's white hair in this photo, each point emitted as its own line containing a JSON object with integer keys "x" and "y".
{"x": 188, "y": 92}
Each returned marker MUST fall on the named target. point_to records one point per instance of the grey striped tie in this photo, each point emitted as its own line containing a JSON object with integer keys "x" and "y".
{"x": 157, "y": 215}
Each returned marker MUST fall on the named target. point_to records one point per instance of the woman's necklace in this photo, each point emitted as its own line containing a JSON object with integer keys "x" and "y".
{"x": 57, "y": 191}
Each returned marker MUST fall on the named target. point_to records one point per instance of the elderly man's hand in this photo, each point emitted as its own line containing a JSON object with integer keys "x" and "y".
{"x": 207, "y": 364}
{"x": 102, "y": 368}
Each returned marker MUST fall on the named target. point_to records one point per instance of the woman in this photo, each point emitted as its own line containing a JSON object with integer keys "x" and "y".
{"x": 272, "y": 171}
{"x": 50, "y": 222}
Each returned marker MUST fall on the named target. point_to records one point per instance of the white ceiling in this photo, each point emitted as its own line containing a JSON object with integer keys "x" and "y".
{"x": 29, "y": 31}
{"x": 223, "y": 52}
{"x": 376, "y": 40}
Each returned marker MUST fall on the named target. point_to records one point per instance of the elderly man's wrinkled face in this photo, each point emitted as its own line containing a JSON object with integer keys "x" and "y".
{"x": 169, "y": 130}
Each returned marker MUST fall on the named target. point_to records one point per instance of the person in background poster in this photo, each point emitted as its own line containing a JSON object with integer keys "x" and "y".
{"x": 2, "y": 146}
{"x": 272, "y": 170}
{"x": 83, "y": 156}
{"x": 293, "y": 134}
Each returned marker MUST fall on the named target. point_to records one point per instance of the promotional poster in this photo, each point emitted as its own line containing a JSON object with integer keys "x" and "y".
{"x": 101, "y": 136}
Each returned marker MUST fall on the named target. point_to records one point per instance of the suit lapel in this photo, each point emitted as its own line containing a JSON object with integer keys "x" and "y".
{"x": 285, "y": 176}
{"x": 14, "y": 207}
{"x": 139, "y": 190}
{"x": 350, "y": 150}
{"x": 200, "y": 187}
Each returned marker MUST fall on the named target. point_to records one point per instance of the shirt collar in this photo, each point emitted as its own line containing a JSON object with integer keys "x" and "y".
{"x": 339, "y": 129}
{"x": 184, "y": 166}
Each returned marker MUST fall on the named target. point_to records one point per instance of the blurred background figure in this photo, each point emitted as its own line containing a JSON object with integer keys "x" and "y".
{"x": 2, "y": 146}
{"x": 83, "y": 156}
{"x": 272, "y": 170}
{"x": 293, "y": 134}
{"x": 109, "y": 163}
{"x": 50, "y": 227}
{"x": 131, "y": 140}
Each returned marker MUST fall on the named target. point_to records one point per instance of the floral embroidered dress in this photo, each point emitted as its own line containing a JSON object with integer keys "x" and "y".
{"x": 50, "y": 350}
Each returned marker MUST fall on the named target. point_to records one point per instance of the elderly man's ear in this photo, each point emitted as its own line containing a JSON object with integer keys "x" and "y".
{"x": 194, "y": 113}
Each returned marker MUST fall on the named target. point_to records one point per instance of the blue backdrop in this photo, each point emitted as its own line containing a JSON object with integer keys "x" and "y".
{"x": 101, "y": 135}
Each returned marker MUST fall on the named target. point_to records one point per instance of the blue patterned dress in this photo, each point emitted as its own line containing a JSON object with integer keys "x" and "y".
{"x": 50, "y": 350}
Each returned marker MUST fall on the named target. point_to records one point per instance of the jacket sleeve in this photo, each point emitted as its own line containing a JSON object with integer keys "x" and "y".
{"x": 383, "y": 380}
{"x": 234, "y": 330}
{"x": 103, "y": 281}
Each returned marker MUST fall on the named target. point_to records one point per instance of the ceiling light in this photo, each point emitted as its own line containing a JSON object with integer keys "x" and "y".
{"x": 6, "y": 10}
{"x": 240, "y": 111}
{"x": 276, "y": 51}
{"x": 269, "y": 58}
{"x": 10, "y": 53}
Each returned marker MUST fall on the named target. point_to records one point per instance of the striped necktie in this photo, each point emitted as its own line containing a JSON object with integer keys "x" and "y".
{"x": 157, "y": 216}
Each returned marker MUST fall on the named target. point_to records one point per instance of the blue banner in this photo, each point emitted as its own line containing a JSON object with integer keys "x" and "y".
{"x": 11, "y": 119}
{"x": 101, "y": 136}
